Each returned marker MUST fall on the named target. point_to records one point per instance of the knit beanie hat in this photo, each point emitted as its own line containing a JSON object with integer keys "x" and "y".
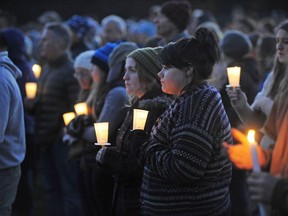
{"x": 148, "y": 59}
{"x": 83, "y": 60}
{"x": 178, "y": 12}
{"x": 119, "y": 54}
{"x": 14, "y": 40}
{"x": 235, "y": 44}
{"x": 49, "y": 16}
{"x": 79, "y": 24}
{"x": 101, "y": 56}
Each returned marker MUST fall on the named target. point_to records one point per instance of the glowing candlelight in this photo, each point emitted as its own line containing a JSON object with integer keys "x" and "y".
{"x": 81, "y": 108}
{"x": 68, "y": 117}
{"x": 251, "y": 140}
{"x": 256, "y": 166}
{"x": 234, "y": 76}
{"x": 139, "y": 119}
{"x": 101, "y": 131}
{"x": 31, "y": 89}
{"x": 36, "y": 70}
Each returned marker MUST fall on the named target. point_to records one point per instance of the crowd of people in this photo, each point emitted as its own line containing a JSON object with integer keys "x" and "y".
{"x": 191, "y": 158}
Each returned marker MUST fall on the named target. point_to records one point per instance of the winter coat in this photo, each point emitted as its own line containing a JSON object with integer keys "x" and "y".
{"x": 124, "y": 166}
{"x": 279, "y": 200}
{"x": 12, "y": 131}
{"x": 56, "y": 94}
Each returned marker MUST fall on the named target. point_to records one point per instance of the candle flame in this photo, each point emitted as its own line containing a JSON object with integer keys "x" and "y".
{"x": 36, "y": 70}
{"x": 81, "y": 108}
{"x": 251, "y": 136}
{"x": 139, "y": 119}
{"x": 31, "y": 89}
{"x": 101, "y": 131}
{"x": 68, "y": 117}
{"x": 234, "y": 76}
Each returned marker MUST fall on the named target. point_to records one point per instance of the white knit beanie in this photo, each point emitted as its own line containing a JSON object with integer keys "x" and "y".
{"x": 83, "y": 60}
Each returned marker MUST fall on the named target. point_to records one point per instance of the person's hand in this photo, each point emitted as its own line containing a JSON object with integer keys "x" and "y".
{"x": 240, "y": 154}
{"x": 135, "y": 140}
{"x": 68, "y": 139}
{"x": 76, "y": 127}
{"x": 263, "y": 104}
{"x": 29, "y": 104}
{"x": 237, "y": 97}
{"x": 261, "y": 186}
{"x": 100, "y": 155}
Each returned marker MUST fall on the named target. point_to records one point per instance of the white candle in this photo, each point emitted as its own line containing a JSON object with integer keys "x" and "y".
{"x": 31, "y": 89}
{"x": 101, "y": 131}
{"x": 81, "y": 108}
{"x": 253, "y": 144}
{"x": 36, "y": 70}
{"x": 139, "y": 119}
{"x": 234, "y": 76}
{"x": 68, "y": 117}
{"x": 256, "y": 166}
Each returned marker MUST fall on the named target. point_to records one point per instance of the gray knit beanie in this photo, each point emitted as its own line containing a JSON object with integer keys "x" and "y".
{"x": 148, "y": 58}
{"x": 120, "y": 53}
{"x": 235, "y": 44}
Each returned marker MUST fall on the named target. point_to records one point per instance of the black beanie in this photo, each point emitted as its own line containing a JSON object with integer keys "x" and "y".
{"x": 235, "y": 44}
{"x": 178, "y": 12}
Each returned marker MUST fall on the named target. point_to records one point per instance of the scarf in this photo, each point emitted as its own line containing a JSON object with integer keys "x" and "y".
{"x": 276, "y": 127}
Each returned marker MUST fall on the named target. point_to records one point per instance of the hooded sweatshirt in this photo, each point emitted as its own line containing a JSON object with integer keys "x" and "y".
{"x": 12, "y": 132}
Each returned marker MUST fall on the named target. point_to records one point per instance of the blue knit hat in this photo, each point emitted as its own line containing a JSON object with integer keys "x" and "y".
{"x": 79, "y": 24}
{"x": 101, "y": 56}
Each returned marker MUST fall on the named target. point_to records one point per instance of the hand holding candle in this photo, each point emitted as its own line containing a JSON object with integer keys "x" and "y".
{"x": 253, "y": 144}
{"x": 81, "y": 108}
{"x": 31, "y": 89}
{"x": 234, "y": 76}
{"x": 68, "y": 117}
{"x": 139, "y": 119}
{"x": 241, "y": 154}
{"x": 101, "y": 131}
{"x": 245, "y": 155}
{"x": 256, "y": 166}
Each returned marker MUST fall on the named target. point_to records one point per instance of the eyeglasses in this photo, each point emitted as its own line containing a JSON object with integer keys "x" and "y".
{"x": 83, "y": 75}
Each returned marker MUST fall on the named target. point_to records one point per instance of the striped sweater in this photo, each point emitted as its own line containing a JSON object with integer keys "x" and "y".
{"x": 186, "y": 169}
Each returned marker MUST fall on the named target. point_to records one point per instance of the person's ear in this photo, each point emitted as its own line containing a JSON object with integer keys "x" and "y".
{"x": 189, "y": 71}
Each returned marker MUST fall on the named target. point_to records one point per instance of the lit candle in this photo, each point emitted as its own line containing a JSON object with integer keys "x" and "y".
{"x": 81, "y": 108}
{"x": 68, "y": 117}
{"x": 101, "y": 131}
{"x": 253, "y": 144}
{"x": 234, "y": 76}
{"x": 36, "y": 70}
{"x": 31, "y": 89}
{"x": 256, "y": 166}
{"x": 139, "y": 119}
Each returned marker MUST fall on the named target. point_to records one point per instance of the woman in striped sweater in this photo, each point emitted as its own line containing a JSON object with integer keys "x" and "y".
{"x": 186, "y": 169}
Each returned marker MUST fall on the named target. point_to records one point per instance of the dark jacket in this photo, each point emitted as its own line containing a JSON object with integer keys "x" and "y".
{"x": 56, "y": 94}
{"x": 124, "y": 166}
{"x": 279, "y": 200}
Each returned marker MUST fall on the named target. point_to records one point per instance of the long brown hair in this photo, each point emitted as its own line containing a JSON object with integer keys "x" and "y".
{"x": 279, "y": 79}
